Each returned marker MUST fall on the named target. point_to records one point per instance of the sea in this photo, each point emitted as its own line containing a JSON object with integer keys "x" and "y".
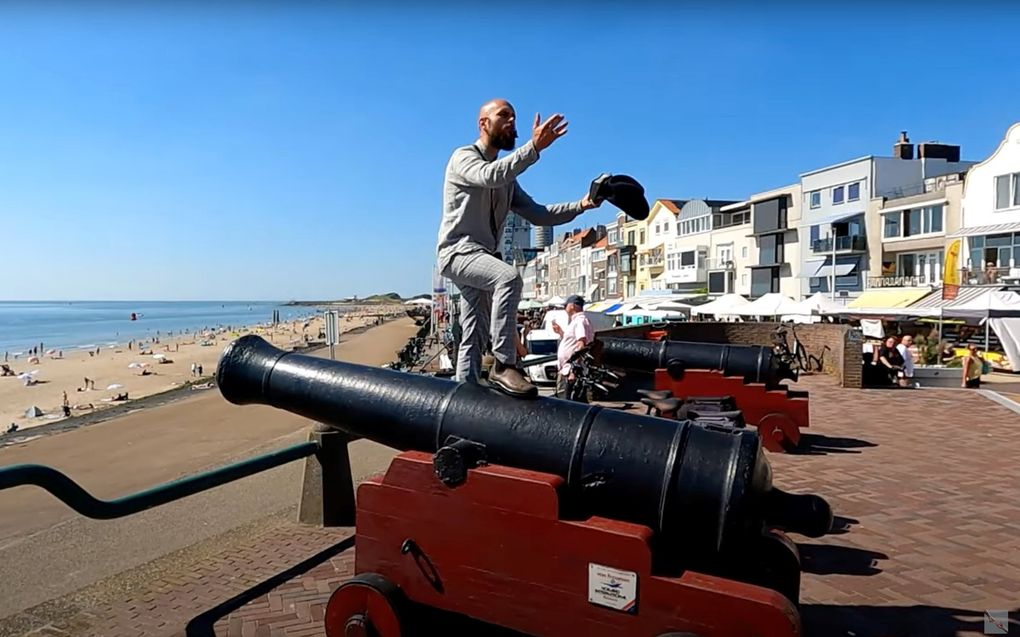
{"x": 69, "y": 325}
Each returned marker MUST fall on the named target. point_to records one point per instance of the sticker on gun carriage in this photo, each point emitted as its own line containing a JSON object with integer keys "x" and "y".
{"x": 996, "y": 622}
{"x": 612, "y": 588}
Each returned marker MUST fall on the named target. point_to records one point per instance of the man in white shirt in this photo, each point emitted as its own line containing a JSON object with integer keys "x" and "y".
{"x": 574, "y": 337}
{"x": 908, "y": 359}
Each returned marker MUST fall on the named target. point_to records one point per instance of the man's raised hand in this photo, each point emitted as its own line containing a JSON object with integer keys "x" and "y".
{"x": 544, "y": 134}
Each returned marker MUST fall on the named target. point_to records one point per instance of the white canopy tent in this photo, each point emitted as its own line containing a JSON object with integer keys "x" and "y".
{"x": 669, "y": 305}
{"x": 655, "y": 315}
{"x": 810, "y": 309}
{"x": 771, "y": 304}
{"x": 819, "y": 303}
{"x": 725, "y": 305}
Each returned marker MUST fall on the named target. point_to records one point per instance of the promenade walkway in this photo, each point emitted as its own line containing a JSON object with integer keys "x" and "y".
{"x": 923, "y": 483}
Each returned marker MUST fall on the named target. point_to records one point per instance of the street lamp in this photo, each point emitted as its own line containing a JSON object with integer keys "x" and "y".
{"x": 832, "y": 271}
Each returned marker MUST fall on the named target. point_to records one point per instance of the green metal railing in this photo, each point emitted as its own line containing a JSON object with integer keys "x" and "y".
{"x": 73, "y": 495}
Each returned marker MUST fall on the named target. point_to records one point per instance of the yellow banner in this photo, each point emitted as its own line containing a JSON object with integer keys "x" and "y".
{"x": 951, "y": 270}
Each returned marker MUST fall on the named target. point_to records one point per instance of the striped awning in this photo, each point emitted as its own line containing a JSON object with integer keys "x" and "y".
{"x": 976, "y": 231}
{"x": 964, "y": 295}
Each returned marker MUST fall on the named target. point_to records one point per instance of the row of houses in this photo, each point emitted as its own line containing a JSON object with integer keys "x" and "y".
{"x": 870, "y": 232}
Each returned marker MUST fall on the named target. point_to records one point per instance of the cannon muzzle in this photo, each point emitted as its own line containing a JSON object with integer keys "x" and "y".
{"x": 756, "y": 363}
{"x": 704, "y": 490}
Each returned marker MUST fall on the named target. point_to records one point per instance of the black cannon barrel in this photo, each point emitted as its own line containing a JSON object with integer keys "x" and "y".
{"x": 756, "y": 363}
{"x": 705, "y": 488}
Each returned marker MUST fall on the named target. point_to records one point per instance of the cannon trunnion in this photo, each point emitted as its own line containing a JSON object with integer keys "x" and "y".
{"x": 545, "y": 486}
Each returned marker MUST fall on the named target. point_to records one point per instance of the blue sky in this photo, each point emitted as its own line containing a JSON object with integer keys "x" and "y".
{"x": 296, "y": 151}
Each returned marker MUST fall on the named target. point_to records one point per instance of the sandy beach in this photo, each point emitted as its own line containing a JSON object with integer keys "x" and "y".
{"x": 48, "y": 550}
{"x": 144, "y": 368}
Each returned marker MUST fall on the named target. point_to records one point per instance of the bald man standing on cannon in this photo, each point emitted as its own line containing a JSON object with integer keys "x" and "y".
{"x": 478, "y": 194}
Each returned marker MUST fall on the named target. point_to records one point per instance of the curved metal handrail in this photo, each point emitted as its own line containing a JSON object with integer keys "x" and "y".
{"x": 73, "y": 495}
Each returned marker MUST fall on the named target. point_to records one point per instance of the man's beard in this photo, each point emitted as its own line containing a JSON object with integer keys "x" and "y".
{"x": 503, "y": 140}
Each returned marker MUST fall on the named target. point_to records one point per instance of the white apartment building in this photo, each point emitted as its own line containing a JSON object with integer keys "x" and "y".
{"x": 990, "y": 228}
{"x": 729, "y": 252}
{"x": 694, "y": 249}
{"x": 834, "y": 206}
{"x": 775, "y": 248}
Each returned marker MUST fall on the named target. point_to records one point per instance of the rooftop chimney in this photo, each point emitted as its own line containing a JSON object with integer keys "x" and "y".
{"x": 935, "y": 150}
{"x": 903, "y": 149}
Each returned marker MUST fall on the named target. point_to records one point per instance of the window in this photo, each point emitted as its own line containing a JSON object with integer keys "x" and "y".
{"x": 770, "y": 215}
{"x": 763, "y": 281}
{"x": 816, "y": 198}
{"x": 933, "y": 219}
{"x": 717, "y": 282}
{"x": 913, "y": 222}
{"x": 694, "y": 226}
{"x": 686, "y": 258}
{"x": 743, "y": 252}
{"x": 770, "y": 250}
{"x": 891, "y": 225}
{"x": 658, "y": 228}
{"x": 665, "y": 226}
{"x": 815, "y": 236}
{"x": 1007, "y": 191}
{"x": 642, "y": 235}
{"x": 853, "y": 192}
{"x": 837, "y": 195}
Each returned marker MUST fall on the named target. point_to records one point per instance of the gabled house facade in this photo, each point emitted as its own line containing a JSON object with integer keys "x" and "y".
{"x": 990, "y": 219}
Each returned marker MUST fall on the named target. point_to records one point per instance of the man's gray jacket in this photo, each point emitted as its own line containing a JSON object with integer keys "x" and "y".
{"x": 479, "y": 192}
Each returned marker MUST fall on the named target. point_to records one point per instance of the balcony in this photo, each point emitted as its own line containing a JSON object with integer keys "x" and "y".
{"x": 687, "y": 274}
{"x": 903, "y": 281}
{"x": 990, "y": 276}
{"x": 845, "y": 243}
{"x": 653, "y": 263}
{"x": 654, "y": 259}
{"x": 720, "y": 264}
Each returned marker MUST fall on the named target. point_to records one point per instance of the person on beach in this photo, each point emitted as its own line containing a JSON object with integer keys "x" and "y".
{"x": 479, "y": 192}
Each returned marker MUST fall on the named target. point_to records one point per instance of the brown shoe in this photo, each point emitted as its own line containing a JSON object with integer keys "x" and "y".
{"x": 510, "y": 380}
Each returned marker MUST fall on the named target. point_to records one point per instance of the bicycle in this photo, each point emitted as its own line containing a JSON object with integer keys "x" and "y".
{"x": 819, "y": 361}
{"x": 591, "y": 380}
{"x": 798, "y": 358}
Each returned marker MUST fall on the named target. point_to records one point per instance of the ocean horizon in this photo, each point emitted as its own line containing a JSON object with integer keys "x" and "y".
{"x": 68, "y": 325}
